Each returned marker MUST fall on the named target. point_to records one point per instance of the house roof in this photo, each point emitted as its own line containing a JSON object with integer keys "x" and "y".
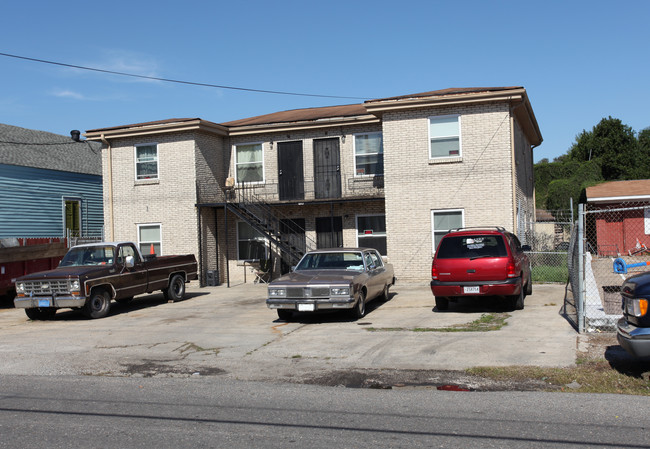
{"x": 40, "y": 149}
{"x": 301, "y": 115}
{"x": 342, "y": 115}
{"x": 616, "y": 191}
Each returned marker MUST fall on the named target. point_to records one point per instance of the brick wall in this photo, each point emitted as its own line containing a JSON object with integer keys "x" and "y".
{"x": 479, "y": 182}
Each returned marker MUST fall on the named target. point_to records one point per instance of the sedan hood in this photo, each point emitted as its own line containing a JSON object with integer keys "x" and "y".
{"x": 317, "y": 277}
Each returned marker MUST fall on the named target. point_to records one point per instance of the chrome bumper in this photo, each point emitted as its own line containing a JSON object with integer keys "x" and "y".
{"x": 635, "y": 340}
{"x": 30, "y": 302}
{"x": 310, "y": 305}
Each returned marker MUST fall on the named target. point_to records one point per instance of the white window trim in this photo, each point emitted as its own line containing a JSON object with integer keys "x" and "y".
{"x": 161, "y": 239}
{"x": 266, "y": 243}
{"x": 354, "y": 152}
{"x": 234, "y": 158}
{"x": 433, "y": 230}
{"x": 135, "y": 162}
{"x": 460, "y": 139}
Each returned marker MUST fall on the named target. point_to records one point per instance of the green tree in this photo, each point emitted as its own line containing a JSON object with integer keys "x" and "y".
{"x": 616, "y": 147}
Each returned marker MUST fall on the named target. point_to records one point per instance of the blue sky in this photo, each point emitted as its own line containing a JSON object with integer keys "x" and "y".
{"x": 580, "y": 61}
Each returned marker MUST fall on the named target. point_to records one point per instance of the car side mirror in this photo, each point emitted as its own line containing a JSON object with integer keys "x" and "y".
{"x": 129, "y": 262}
{"x": 525, "y": 248}
{"x": 293, "y": 268}
{"x": 371, "y": 267}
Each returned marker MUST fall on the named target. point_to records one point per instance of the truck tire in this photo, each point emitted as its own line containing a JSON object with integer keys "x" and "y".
{"x": 98, "y": 305}
{"x": 176, "y": 289}
{"x": 442, "y": 303}
{"x": 40, "y": 313}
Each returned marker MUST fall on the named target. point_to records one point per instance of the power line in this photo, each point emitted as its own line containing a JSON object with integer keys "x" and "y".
{"x": 167, "y": 80}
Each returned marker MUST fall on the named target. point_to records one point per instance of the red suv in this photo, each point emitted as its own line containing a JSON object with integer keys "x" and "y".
{"x": 480, "y": 262}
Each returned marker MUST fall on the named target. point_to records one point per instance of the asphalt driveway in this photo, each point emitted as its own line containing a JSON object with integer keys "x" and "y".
{"x": 230, "y": 332}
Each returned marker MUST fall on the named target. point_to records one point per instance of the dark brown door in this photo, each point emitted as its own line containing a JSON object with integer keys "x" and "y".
{"x": 291, "y": 181}
{"x": 329, "y": 232}
{"x": 327, "y": 168}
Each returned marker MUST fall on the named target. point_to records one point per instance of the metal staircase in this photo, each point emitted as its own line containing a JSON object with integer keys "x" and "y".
{"x": 288, "y": 240}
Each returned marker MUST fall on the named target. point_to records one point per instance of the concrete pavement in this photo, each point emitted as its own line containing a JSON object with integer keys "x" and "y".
{"x": 230, "y": 332}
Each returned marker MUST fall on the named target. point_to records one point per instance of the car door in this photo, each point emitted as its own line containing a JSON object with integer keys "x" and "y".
{"x": 130, "y": 281}
{"x": 375, "y": 271}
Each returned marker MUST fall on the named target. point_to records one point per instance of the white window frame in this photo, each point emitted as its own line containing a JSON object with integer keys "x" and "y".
{"x": 135, "y": 160}
{"x": 354, "y": 151}
{"x": 460, "y": 138}
{"x": 434, "y": 230}
{"x": 265, "y": 240}
{"x": 142, "y": 225}
{"x": 234, "y": 147}
{"x": 384, "y": 234}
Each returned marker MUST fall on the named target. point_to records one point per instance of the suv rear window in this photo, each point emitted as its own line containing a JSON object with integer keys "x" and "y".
{"x": 471, "y": 247}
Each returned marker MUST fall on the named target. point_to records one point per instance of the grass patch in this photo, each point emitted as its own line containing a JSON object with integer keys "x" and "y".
{"x": 487, "y": 322}
{"x": 588, "y": 376}
{"x": 550, "y": 273}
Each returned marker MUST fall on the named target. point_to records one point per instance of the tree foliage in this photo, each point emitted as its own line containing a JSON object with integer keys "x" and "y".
{"x": 610, "y": 151}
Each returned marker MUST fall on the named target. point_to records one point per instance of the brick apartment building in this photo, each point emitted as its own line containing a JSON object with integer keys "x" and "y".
{"x": 394, "y": 174}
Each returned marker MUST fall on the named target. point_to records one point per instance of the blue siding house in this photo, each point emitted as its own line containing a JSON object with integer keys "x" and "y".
{"x": 50, "y": 185}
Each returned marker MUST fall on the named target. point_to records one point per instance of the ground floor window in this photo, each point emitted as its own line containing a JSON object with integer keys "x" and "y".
{"x": 329, "y": 232}
{"x": 371, "y": 232}
{"x": 442, "y": 221}
{"x": 150, "y": 239}
{"x": 251, "y": 244}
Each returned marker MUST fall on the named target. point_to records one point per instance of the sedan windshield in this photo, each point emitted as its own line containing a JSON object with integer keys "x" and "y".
{"x": 345, "y": 260}
{"x": 90, "y": 255}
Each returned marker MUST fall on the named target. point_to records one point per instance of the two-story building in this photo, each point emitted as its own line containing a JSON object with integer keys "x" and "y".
{"x": 394, "y": 174}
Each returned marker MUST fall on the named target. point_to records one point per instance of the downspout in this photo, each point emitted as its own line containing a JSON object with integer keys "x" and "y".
{"x": 110, "y": 187}
{"x": 513, "y": 171}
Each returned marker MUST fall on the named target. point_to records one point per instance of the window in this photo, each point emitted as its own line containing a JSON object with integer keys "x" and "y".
{"x": 368, "y": 154}
{"x": 329, "y": 232}
{"x": 149, "y": 239}
{"x": 444, "y": 136}
{"x": 442, "y": 221}
{"x": 371, "y": 232}
{"x": 249, "y": 166}
{"x": 251, "y": 245}
{"x": 146, "y": 162}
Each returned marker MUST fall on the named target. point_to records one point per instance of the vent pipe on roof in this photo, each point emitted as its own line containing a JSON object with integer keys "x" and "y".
{"x": 75, "y": 134}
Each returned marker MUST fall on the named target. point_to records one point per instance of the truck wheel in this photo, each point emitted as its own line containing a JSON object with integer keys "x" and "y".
{"x": 40, "y": 313}
{"x": 518, "y": 300}
{"x": 98, "y": 305}
{"x": 442, "y": 303}
{"x": 359, "y": 310}
{"x": 176, "y": 289}
{"x": 285, "y": 314}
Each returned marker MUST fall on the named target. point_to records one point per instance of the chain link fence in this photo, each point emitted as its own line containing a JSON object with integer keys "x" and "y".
{"x": 549, "y": 239}
{"x": 610, "y": 244}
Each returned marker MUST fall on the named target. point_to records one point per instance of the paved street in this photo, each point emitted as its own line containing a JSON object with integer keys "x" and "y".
{"x": 230, "y": 332}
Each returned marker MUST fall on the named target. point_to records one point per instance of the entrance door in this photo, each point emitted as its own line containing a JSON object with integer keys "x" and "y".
{"x": 73, "y": 218}
{"x": 291, "y": 181}
{"x": 329, "y": 232}
{"x": 327, "y": 168}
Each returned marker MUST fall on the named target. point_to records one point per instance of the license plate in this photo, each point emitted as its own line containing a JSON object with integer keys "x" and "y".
{"x": 43, "y": 303}
{"x": 468, "y": 290}
{"x": 306, "y": 308}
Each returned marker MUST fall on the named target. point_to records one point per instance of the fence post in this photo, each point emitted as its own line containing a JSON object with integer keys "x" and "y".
{"x": 580, "y": 300}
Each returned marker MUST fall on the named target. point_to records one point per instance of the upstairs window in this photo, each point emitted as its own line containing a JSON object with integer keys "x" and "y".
{"x": 249, "y": 163}
{"x": 444, "y": 136}
{"x": 146, "y": 162}
{"x": 368, "y": 154}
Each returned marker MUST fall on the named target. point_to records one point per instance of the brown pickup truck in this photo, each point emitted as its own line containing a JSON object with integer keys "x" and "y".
{"x": 90, "y": 276}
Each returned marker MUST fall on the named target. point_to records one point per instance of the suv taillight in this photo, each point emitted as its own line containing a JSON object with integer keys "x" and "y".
{"x": 434, "y": 271}
{"x": 510, "y": 270}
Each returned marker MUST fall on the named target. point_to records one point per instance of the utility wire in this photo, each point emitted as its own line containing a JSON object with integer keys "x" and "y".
{"x": 191, "y": 83}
